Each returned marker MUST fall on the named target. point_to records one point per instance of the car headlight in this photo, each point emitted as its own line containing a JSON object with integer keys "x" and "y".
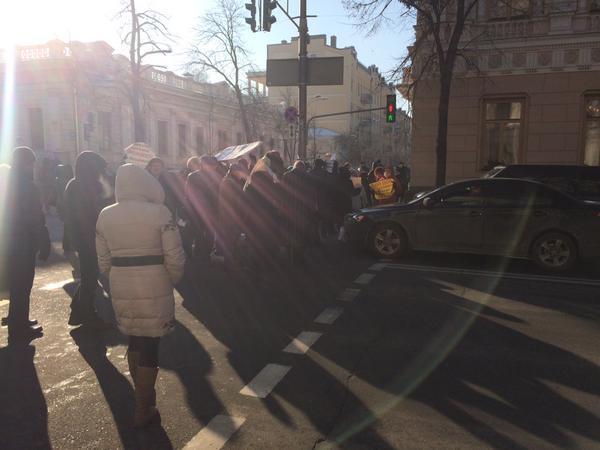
{"x": 359, "y": 217}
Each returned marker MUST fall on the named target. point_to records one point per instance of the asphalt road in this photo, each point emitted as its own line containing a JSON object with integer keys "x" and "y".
{"x": 433, "y": 351}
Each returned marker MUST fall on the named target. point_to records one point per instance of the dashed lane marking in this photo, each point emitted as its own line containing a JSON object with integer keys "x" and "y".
{"x": 378, "y": 267}
{"x": 365, "y": 278}
{"x": 57, "y": 285}
{"x": 329, "y": 315}
{"x": 216, "y": 433}
{"x": 301, "y": 344}
{"x": 349, "y": 295}
{"x": 265, "y": 381}
{"x": 504, "y": 275}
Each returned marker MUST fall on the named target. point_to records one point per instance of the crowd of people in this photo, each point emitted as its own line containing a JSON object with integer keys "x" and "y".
{"x": 140, "y": 228}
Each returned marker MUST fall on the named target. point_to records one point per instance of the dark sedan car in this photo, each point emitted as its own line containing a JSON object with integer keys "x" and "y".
{"x": 494, "y": 216}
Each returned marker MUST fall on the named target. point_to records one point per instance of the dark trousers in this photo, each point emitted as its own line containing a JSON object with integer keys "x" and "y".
{"x": 83, "y": 300}
{"x": 147, "y": 348}
{"x": 21, "y": 272}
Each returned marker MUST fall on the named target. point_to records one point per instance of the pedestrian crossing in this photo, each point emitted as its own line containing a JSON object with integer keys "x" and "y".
{"x": 221, "y": 428}
{"x": 216, "y": 434}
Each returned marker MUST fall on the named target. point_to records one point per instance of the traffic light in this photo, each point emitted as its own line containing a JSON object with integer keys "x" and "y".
{"x": 252, "y": 19}
{"x": 390, "y": 109}
{"x": 268, "y": 19}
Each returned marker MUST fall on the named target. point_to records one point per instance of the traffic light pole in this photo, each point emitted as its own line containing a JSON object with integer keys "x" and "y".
{"x": 345, "y": 113}
{"x": 303, "y": 82}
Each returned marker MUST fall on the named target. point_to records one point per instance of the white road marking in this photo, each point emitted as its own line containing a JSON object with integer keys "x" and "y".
{"x": 301, "y": 344}
{"x": 216, "y": 434}
{"x": 378, "y": 267}
{"x": 349, "y": 295}
{"x": 57, "y": 285}
{"x": 329, "y": 315}
{"x": 365, "y": 278}
{"x": 4, "y": 303}
{"x": 505, "y": 275}
{"x": 265, "y": 381}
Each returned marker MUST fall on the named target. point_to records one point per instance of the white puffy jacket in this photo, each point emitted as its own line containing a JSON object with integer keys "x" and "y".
{"x": 140, "y": 225}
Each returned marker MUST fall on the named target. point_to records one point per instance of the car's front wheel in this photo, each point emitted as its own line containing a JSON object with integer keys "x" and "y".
{"x": 389, "y": 241}
{"x": 555, "y": 252}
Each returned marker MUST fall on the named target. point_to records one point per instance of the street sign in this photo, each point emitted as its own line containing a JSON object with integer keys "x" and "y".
{"x": 291, "y": 114}
{"x": 321, "y": 72}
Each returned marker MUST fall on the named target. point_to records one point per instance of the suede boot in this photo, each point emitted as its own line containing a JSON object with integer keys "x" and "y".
{"x": 145, "y": 397}
{"x": 133, "y": 359}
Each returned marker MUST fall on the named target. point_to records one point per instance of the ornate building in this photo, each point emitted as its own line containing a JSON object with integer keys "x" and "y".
{"x": 527, "y": 91}
{"x": 73, "y": 97}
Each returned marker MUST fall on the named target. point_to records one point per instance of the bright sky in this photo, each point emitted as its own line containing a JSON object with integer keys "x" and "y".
{"x": 37, "y": 21}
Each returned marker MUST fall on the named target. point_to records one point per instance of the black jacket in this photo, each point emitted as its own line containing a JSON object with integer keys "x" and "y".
{"x": 23, "y": 226}
{"x": 84, "y": 200}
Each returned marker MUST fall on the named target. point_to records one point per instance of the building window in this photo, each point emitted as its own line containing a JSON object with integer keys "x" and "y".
{"x": 182, "y": 139}
{"x": 594, "y": 5}
{"x": 199, "y": 141}
{"x": 159, "y": 77}
{"x": 162, "y": 138}
{"x": 502, "y": 125}
{"x": 592, "y": 131}
{"x": 104, "y": 123}
{"x": 36, "y": 128}
{"x": 238, "y": 138}
{"x": 509, "y": 9}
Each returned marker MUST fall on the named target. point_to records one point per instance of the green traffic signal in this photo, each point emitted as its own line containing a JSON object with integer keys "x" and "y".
{"x": 390, "y": 109}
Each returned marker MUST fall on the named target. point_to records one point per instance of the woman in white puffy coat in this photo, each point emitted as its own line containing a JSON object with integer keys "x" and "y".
{"x": 139, "y": 247}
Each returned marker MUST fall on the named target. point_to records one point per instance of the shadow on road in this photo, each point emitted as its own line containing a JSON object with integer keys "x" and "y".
{"x": 23, "y": 409}
{"x": 117, "y": 391}
{"x": 255, "y": 315}
{"x": 465, "y": 360}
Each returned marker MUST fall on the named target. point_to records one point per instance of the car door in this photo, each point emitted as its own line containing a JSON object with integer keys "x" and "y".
{"x": 452, "y": 221}
{"x": 515, "y": 211}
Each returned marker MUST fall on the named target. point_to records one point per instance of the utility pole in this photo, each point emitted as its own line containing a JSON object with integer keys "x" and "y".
{"x": 303, "y": 82}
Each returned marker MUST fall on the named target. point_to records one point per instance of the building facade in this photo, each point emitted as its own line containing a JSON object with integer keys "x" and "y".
{"x": 529, "y": 94}
{"x": 364, "y": 88}
{"x": 71, "y": 97}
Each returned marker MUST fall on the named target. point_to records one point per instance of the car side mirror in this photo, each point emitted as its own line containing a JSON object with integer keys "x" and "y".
{"x": 428, "y": 203}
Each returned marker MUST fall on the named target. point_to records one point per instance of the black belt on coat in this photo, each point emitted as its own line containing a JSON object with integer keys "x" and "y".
{"x": 136, "y": 261}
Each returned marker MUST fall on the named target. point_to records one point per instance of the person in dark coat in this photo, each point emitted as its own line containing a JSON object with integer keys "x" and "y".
{"x": 264, "y": 221}
{"x": 85, "y": 197}
{"x": 403, "y": 175}
{"x": 324, "y": 194}
{"x": 23, "y": 236}
{"x": 364, "y": 179}
{"x": 344, "y": 191}
{"x": 231, "y": 212}
{"x": 156, "y": 168}
{"x": 300, "y": 208}
{"x": 202, "y": 194}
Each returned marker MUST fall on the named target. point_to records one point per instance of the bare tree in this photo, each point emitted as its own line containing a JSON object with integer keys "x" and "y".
{"x": 220, "y": 49}
{"x": 441, "y": 25}
{"x": 146, "y": 35}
